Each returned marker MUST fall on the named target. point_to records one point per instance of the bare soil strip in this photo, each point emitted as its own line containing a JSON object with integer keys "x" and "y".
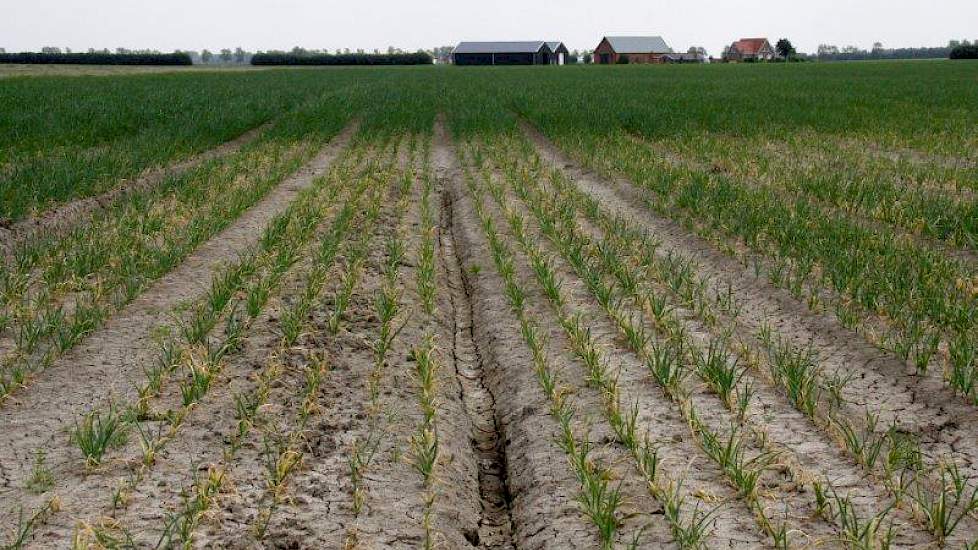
{"x": 474, "y": 442}
{"x": 539, "y": 479}
{"x": 110, "y": 362}
{"x": 915, "y": 157}
{"x": 880, "y": 383}
{"x": 62, "y": 218}
{"x": 495, "y": 524}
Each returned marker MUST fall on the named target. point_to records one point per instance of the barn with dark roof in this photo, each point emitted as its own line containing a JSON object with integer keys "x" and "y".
{"x": 559, "y": 52}
{"x": 504, "y": 53}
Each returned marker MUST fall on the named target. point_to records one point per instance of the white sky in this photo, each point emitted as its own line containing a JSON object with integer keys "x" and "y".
{"x": 412, "y": 24}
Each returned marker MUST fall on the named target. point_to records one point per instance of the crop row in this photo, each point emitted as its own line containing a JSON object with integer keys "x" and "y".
{"x": 59, "y": 289}
{"x": 282, "y": 453}
{"x": 387, "y": 307}
{"x": 789, "y": 368}
{"x": 97, "y": 133}
{"x": 237, "y": 295}
{"x": 599, "y": 499}
{"x": 836, "y": 182}
{"x": 924, "y": 297}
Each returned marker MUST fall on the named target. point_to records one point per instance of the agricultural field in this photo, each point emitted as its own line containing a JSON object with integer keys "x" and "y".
{"x": 500, "y": 308}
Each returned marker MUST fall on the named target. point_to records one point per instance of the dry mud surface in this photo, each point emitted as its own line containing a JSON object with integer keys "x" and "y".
{"x": 319, "y": 440}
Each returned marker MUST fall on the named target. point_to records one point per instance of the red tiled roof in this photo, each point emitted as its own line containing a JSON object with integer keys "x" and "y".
{"x": 750, "y": 46}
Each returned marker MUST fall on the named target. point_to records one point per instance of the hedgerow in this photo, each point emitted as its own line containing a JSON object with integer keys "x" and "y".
{"x": 342, "y": 59}
{"x": 965, "y": 52}
{"x": 96, "y": 58}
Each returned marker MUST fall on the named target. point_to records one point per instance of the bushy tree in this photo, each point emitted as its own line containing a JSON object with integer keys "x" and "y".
{"x": 785, "y": 48}
{"x": 623, "y": 59}
{"x": 965, "y": 52}
{"x": 206, "y": 56}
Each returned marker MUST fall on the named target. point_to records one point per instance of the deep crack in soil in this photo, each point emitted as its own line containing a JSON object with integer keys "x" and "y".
{"x": 495, "y": 522}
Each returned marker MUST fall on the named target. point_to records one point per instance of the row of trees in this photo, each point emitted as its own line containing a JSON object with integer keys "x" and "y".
{"x": 965, "y": 51}
{"x": 225, "y": 57}
{"x": 956, "y": 49}
{"x": 283, "y": 58}
{"x": 829, "y": 52}
{"x": 94, "y": 58}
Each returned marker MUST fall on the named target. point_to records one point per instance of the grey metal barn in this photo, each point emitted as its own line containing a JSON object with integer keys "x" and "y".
{"x": 503, "y": 53}
{"x": 560, "y": 53}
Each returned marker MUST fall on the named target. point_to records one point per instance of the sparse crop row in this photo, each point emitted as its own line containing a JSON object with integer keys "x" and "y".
{"x": 666, "y": 358}
{"x": 97, "y": 269}
{"x": 600, "y": 500}
{"x": 197, "y": 378}
{"x": 284, "y": 454}
{"x": 425, "y": 441}
{"x": 387, "y": 306}
{"x": 364, "y": 450}
{"x": 919, "y": 296}
{"x": 284, "y": 457}
{"x": 195, "y": 356}
{"x": 281, "y": 453}
{"x": 690, "y": 528}
{"x": 794, "y": 370}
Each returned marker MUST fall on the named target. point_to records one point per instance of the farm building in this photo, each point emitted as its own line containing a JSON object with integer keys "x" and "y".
{"x": 750, "y": 49}
{"x": 636, "y": 49}
{"x": 559, "y": 51}
{"x": 504, "y": 53}
{"x": 690, "y": 57}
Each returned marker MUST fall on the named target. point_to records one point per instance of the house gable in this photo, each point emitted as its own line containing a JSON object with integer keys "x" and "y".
{"x": 604, "y": 47}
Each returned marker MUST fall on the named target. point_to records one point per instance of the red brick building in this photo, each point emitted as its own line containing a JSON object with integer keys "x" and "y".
{"x": 637, "y": 49}
{"x": 750, "y": 49}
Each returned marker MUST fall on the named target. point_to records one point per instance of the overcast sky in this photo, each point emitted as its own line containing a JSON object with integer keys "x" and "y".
{"x": 369, "y": 24}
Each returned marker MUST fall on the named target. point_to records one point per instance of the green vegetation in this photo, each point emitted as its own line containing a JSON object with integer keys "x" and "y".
{"x": 341, "y": 59}
{"x": 97, "y": 58}
{"x": 76, "y": 137}
{"x": 770, "y": 268}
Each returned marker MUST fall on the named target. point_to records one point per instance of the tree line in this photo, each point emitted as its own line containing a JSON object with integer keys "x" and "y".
{"x": 418, "y": 58}
{"x": 829, "y": 52}
{"x": 95, "y": 58}
{"x": 955, "y": 49}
